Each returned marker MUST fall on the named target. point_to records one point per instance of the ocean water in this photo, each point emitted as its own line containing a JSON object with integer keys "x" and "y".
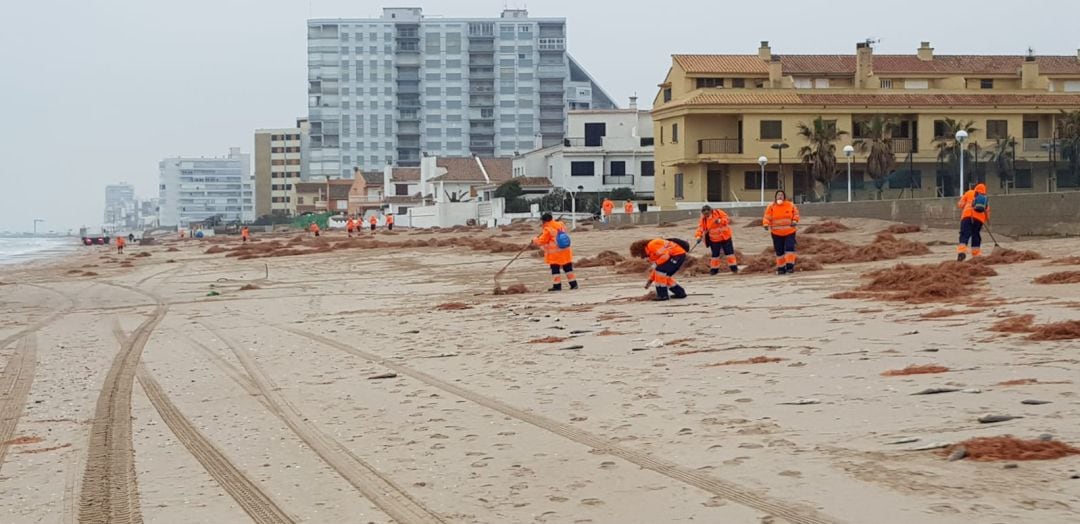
{"x": 13, "y": 250}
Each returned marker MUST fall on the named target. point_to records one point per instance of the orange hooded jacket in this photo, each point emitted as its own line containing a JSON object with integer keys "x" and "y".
{"x": 553, "y": 254}
{"x": 968, "y": 200}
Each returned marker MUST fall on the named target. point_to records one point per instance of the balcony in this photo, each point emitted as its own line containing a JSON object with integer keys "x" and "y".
{"x": 901, "y": 146}
{"x": 551, "y": 115}
{"x": 551, "y": 71}
{"x": 1038, "y": 146}
{"x": 482, "y": 46}
{"x": 720, "y": 146}
{"x": 481, "y": 75}
{"x": 408, "y": 89}
{"x": 481, "y": 60}
{"x": 618, "y": 180}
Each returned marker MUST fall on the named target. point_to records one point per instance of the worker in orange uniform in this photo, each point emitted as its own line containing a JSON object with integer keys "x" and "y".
{"x": 120, "y": 243}
{"x": 976, "y": 212}
{"x": 374, "y": 220}
{"x": 245, "y": 234}
{"x": 556, "y": 257}
{"x": 667, "y": 256}
{"x": 314, "y": 228}
{"x": 606, "y": 208}
{"x": 781, "y": 218}
{"x": 389, "y": 222}
{"x": 715, "y": 228}
{"x": 350, "y": 226}
{"x": 628, "y": 207}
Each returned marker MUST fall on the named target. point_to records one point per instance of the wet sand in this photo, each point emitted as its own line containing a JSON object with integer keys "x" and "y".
{"x": 133, "y": 394}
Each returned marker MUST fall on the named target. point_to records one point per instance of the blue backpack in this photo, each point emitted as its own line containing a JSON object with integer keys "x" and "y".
{"x": 562, "y": 239}
{"x": 980, "y": 203}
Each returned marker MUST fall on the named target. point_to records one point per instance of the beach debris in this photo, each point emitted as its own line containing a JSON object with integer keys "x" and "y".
{"x": 913, "y": 369}
{"x": 936, "y": 391}
{"x": 753, "y": 360}
{"x": 991, "y": 419}
{"x": 249, "y": 287}
{"x": 548, "y": 340}
{"x": 902, "y": 229}
{"x": 1046, "y": 437}
{"x": 1033, "y": 402}
{"x": 920, "y": 284}
{"x": 579, "y": 331}
{"x": 971, "y": 391}
{"x": 512, "y": 289}
{"x": 827, "y": 226}
{"x": 1011, "y": 466}
{"x": 453, "y": 306}
{"x": 1063, "y": 277}
{"x": 572, "y": 348}
{"x": 213, "y": 294}
{"x": 1067, "y": 330}
{"x": 928, "y": 447}
{"x": 801, "y": 402}
{"x": 383, "y": 376}
{"x": 1002, "y": 256}
{"x": 957, "y": 453}
{"x": 656, "y": 343}
{"x": 411, "y": 332}
{"x": 905, "y": 440}
{"x": 986, "y": 449}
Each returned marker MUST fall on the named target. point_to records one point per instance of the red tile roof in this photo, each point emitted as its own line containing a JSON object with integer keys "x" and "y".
{"x": 465, "y": 169}
{"x": 883, "y": 64}
{"x": 533, "y": 181}
{"x": 764, "y": 98}
{"x": 405, "y": 174}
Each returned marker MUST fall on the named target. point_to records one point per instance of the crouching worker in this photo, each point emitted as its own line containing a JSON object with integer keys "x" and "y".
{"x": 555, "y": 242}
{"x": 781, "y": 219}
{"x": 667, "y": 257}
{"x": 715, "y": 228}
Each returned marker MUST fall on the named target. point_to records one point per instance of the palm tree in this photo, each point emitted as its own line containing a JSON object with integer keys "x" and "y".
{"x": 1001, "y": 157}
{"x": 819, "y": 155}
{"x": 877, "y": 145}
{"x": 949, "y": 151}
{"x": 1069, "y": 139}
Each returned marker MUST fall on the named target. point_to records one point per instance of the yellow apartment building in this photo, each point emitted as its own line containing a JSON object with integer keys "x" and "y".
{"x": 715, "y": 116}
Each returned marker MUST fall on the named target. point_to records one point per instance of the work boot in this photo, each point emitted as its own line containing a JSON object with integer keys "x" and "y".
{"x": 714, "y": 271}
{"x": 782, "y": 270}
{"x": 661, "y": 294}
{"x": 790, "y": 268}
{"x": 734, "y": 269}
{"x": 556, "y": 287}
{"x": 961, "y": 257}
{"x": 573, "y": 284}
{"x": 678, "y": 292}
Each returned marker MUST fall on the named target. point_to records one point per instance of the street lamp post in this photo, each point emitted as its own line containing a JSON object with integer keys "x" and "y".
{"x": 961, "y": 137}
{"x": 849, "y": 152}
{"x": 573, "y": 207}
{"x": 780, "y": 147}
{"x": 762, "y": 160}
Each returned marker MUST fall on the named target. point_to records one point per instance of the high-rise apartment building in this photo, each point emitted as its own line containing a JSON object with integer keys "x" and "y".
{"x": 199, "y": 188}
{"x": 391, "y": 89}
{"x": 120, "y": 205}
{"x": 278, "y": 166}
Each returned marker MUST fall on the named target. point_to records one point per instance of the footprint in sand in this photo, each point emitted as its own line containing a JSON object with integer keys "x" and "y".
{"x": 592, "y": 502}
{"x": 556, "y": 498}
{"x": 607, "y": 465}
{"x": 714, "y": 502}
{"x": 791, "y": 473}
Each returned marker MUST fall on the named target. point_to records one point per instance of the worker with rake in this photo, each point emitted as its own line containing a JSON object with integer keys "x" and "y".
{"x": 975, "y": 214}
{"x": 715, "y": 228}
{"x": 555, "y": 242}
{"x": 781, "y": 218}
{"x": 667, "y": 256}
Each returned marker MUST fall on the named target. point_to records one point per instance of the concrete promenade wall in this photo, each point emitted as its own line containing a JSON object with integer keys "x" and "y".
{"x": 1031, "y": 214}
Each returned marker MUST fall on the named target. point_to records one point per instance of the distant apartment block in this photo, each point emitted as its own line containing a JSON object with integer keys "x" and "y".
{"x": 278, "y": 167}
{"x": 606, "y": 149}
{"x": 388, "y": 90}
{"x": 194, "y": 189}
{"x": 121, "y": 209}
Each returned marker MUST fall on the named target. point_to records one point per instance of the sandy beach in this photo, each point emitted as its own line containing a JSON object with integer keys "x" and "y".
{"x": 353, "y": 382}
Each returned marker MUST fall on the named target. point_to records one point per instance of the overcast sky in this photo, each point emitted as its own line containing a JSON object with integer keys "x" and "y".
{"x": 98, "y": 91}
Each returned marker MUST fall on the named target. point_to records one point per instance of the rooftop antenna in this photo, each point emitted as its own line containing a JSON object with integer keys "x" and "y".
{"x": 1031, "y": 52}
{"x": 871, "y": 41}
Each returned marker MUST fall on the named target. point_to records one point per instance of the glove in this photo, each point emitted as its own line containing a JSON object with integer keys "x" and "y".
{"x": 698, "y": 242}
{"x": 766, "y": 228}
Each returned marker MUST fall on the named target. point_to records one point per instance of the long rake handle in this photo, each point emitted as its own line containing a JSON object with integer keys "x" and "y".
{"x": 518, "y": 255}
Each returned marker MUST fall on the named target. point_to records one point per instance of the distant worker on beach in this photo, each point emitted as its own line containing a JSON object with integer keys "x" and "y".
{"x": 555, "y": 242}
{"x": 715, "y": 228}
{"x": 245, "y": 234}
{"x": 314, "y": 228}
{"x": 389, "y": 222}
{"x": 975, "y": 214}
{"x": 667, "y": 257}
{"x": 628, "y": 207}
{"x": 374, "y": 221}
{"x": 606, "y": 208}
{"x": 350, "y": 226}
{"x": 120, "y": 242}
{"x": 781, "y": 218}
{"x": 131, "y": 237}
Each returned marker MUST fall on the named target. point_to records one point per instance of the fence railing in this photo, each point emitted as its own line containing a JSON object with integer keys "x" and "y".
{"x": 618, "y": 180}
{"x": 719, "y": 146}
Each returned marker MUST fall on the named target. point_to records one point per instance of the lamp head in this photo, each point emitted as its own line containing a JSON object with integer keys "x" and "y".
{"x": 762, "y": 161}
{"x": 961, "y": 135}
{"x": 849, "y": 151}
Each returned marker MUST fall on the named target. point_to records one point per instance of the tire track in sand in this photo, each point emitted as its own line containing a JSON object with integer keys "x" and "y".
{"x": 380, "y": 490}
{"x": 260, "y": 507}
{"x": 110, "y": 491}
{"x": 795, "y": 513}
{"x": 36, "y": 326}
{"x": 15, "y": 382}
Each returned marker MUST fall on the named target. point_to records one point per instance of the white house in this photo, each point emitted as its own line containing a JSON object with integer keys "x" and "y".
{"x": 605, "y": 149}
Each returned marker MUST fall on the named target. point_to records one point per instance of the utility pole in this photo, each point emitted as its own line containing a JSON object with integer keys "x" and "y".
{"x": 36, "y": 220}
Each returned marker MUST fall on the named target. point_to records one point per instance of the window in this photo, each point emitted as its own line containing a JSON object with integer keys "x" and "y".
{"x": 804, "y": 83}
{"x": 939, "y": 129}
{"x": 674, "y": 133}
{"x": 903, "y": 179}
{"x": 646, "y": 141}
{"x": 1066, "y": 178}
{"x": 771, "y": 129}
{"x": 738, "y": 83}
{"x": 648, "y": 168}
{"x": 997, "y": 129}
{"x": 916, "y": 84}
{"x": 1022, "y": 180}
{"x": 821, "y": 83}
{"x": 582, "y": 169}
{"x": 986, "y": 83}
{"x": 752, "y": 180}
{"x": 594, "y": 134}
{"x": 618, "y": 168}
{"x": 679, "y": 186}
{"x": 667, "y": 94}
{"x": 886, "y": 83}
{"x": 1031, "y": 129}
{"x": 710, "y": 82}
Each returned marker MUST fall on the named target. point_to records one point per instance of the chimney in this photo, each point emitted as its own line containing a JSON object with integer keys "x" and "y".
{"x": 776, "y": 73}
{"x": 633, "y": 102}
{"x": 864, "y": 64}
{"x": 1029, "y": 72}
{"x": 926, "y": 53}
{"x": 765, "y": 52}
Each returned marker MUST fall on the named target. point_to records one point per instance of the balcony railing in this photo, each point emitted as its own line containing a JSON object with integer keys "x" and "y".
{"x": 719, "y": 146}
{"x": 618, "y": 180}
{"x": 1038, "y": 146}
{"x": 900, "y": 146}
